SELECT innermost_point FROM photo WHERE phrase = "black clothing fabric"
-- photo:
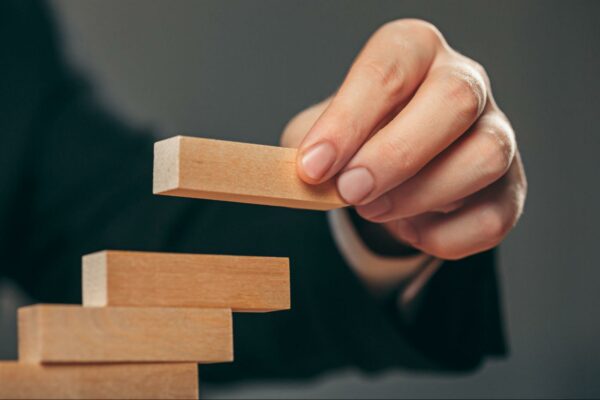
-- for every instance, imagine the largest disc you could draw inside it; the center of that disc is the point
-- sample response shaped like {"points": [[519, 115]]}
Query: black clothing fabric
{"points": [[75, 180]]}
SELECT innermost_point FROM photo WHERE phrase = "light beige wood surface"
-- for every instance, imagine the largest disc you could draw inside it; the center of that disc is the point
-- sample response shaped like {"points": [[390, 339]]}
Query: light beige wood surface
{"points": [[68, 333], [98, 381], [127, 278], [240, 172]]}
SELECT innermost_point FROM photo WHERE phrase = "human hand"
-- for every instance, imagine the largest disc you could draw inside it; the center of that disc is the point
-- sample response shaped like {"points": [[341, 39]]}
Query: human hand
{"points": [[417, 143]]}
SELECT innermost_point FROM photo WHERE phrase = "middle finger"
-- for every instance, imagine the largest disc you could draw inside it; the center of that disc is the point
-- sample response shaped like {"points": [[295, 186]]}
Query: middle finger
{"points": [[443, 108]]}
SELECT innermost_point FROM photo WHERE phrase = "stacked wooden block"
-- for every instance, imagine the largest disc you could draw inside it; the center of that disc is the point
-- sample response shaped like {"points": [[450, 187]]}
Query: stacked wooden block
{"points": [[148, 319], [240, 172]]}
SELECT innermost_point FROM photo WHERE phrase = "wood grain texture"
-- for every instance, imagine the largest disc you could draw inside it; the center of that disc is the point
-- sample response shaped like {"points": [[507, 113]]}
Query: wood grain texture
{"points": [[240, 172], [98, 381], [75, 334], [145, 279]]}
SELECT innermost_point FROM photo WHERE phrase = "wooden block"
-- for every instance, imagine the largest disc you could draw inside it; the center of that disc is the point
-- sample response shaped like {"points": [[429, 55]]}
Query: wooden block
{"points": [[240, 172], [127, 278], [98, 381], [75, 334]]}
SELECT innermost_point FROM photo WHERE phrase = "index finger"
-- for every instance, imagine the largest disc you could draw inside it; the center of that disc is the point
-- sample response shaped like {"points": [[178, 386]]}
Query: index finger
{"points": [[385, 74]]}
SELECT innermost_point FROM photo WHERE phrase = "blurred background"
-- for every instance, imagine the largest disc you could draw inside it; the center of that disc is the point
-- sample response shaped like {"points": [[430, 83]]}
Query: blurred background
{"points": [[240, 69]]}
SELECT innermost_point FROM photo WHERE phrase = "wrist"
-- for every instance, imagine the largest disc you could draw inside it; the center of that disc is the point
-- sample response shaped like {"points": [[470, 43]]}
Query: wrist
{"points": [[387, 265]]}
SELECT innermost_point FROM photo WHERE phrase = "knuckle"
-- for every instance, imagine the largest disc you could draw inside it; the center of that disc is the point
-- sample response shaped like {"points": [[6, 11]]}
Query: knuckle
{"points": [[391, 29], [479, 69], [522, 188], [401, 35], [516, 202], [416, 26], [394, 36], [390, 76], [492, 224], [467, 94], [496, 153]]}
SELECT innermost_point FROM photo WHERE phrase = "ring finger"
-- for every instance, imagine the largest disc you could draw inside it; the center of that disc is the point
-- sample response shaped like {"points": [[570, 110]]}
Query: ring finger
{"points": [[477, 159]]}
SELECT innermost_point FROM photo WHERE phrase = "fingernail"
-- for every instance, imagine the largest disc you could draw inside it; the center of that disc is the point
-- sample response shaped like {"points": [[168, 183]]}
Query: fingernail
{"points": [[317, 160], [375, 208], [407, 232], [355, 184]]}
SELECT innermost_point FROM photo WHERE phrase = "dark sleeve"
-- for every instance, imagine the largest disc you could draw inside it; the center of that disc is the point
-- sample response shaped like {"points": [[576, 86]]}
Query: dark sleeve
{"points": [[75, 180]]}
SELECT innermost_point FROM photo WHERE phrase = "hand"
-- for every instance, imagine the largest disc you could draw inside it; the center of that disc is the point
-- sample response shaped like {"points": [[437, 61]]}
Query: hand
{"points": [[417, 143]]}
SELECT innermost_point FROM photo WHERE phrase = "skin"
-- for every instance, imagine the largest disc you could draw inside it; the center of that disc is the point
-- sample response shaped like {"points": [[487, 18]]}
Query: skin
{"points": [[416, 142]]}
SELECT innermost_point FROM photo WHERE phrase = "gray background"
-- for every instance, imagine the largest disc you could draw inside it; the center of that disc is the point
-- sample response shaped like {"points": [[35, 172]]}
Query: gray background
{"points": [[241, 69]]}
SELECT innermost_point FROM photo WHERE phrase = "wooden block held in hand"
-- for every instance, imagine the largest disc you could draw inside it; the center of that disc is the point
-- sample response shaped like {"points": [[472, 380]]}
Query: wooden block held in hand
{"points": [[75, 334], [98, 381], [145, 279], [240, 172]]}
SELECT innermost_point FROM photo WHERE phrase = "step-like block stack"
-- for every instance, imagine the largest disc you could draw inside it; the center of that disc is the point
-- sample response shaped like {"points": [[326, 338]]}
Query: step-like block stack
{"points": [[146, 321]]}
